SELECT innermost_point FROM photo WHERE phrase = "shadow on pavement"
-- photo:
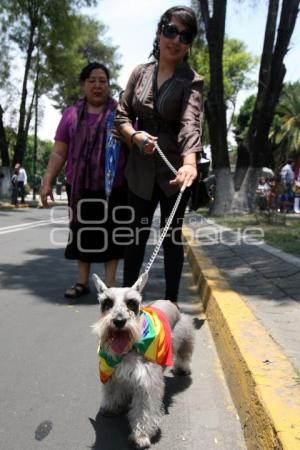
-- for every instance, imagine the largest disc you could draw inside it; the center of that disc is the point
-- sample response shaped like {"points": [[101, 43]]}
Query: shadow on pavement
{"points": [[46, 276]]}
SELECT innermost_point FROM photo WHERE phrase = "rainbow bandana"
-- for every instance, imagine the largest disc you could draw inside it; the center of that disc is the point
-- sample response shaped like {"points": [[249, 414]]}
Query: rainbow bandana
{"points": [[155, 343]]}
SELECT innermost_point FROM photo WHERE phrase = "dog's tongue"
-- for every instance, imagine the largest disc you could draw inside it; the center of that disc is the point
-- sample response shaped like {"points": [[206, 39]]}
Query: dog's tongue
{"points": [[119, 342]]}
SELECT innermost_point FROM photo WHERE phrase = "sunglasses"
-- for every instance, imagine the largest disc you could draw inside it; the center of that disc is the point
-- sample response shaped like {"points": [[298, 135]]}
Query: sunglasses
{"points": [[170, 31]]}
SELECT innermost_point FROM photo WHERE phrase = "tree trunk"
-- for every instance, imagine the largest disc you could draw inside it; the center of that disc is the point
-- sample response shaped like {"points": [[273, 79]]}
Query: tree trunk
{"points": [[29, 112], [3, 142], [224, 192], [242, 164], [271, 77], [5, 187], [258, 123], [20, 146], [215, 104], [244, 200]]}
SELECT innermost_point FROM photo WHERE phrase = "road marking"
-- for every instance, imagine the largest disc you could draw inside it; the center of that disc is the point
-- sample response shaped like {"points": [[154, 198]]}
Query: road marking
{"points": [[29, 225]]}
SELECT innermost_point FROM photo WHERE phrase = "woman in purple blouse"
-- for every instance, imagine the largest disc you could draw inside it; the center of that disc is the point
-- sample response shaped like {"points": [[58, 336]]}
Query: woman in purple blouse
{"points": [[81, 144]]}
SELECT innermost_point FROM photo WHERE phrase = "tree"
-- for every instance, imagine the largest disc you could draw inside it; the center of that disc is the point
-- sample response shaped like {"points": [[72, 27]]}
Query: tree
{"points": [[59, 74], [4, 73], [213, 17], [285, 131], [237, 64], [271, 75], [270, 83], [242, 120], [31, 23], [44, 150], [241, 126]]}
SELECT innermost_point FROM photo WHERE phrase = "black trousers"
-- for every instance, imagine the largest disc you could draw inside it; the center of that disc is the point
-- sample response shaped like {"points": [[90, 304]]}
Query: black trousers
{"points": [[21, 191], [172, 244]]}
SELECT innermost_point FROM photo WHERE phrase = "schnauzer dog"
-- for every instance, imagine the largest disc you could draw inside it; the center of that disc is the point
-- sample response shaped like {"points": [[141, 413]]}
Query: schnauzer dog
{"points": [[136, 343]]}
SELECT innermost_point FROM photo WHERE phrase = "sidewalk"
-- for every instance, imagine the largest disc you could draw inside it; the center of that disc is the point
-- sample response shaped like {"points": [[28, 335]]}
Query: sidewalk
{"points": [[260, 352], [30, 203]]}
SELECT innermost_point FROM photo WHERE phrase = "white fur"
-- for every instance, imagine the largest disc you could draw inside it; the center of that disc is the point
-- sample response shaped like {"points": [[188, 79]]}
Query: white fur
{"points": [[138, 384]]}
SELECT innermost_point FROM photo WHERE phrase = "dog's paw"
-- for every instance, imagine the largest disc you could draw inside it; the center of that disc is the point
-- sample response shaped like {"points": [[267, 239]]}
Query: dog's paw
{"points": [[139, 440], [181, 371], [106, 412]]}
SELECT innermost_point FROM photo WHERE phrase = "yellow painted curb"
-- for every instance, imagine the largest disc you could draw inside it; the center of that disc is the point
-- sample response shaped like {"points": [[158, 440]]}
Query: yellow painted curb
{"points": [[263, 383], [8, 206]]}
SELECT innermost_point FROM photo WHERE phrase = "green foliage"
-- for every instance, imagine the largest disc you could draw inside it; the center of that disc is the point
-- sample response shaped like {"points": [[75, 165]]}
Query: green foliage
{"points": [[199, 60], [283, 237], [285, 132], [241, 121], [62, 40], [43, 153], [60, 74], [11, 140], [237, 64], [4, 56], [66, 40]]}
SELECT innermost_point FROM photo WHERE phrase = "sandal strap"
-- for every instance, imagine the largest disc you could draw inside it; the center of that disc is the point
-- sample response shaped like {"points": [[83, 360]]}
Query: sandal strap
{"points": [[80, 285], [78, 290]]}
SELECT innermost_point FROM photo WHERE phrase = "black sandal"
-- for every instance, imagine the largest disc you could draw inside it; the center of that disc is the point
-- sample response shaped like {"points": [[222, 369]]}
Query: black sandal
{"points": [[79, 290]]}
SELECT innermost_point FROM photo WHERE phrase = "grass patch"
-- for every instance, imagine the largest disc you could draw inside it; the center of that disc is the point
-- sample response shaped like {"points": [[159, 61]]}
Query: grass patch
{"points": [[286, 237], [283, 236]]}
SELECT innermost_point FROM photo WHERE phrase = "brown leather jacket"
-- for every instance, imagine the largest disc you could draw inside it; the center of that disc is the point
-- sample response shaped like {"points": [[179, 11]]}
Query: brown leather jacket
{"points": [[174, 114]]}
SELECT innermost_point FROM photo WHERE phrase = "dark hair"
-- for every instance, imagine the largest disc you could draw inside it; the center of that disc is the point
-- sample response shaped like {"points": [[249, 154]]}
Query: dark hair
{"points": [[86, 71], [184, 15]]}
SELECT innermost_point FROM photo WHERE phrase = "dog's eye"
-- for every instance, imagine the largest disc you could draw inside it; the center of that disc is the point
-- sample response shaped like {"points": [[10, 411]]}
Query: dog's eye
{"points": [[133, 305], [106, 304]]}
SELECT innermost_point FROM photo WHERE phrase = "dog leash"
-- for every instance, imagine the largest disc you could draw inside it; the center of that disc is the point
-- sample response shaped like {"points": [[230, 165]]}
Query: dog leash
{"points": [[171, 216]]}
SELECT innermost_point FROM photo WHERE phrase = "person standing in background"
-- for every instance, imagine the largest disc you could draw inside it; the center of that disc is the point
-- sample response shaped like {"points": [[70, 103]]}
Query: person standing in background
{"points": [[14, 188], [22, 181], [95, 180], [296, 186]]}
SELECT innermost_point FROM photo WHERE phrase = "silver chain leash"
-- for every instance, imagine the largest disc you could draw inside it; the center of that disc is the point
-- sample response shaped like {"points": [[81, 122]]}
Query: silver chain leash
{"points": [[171, 216], [163, 156]]}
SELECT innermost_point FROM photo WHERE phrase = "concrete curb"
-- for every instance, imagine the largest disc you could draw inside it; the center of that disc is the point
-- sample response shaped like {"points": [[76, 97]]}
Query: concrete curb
{"points": [[263, 383], [30, 204], [8, 206]]}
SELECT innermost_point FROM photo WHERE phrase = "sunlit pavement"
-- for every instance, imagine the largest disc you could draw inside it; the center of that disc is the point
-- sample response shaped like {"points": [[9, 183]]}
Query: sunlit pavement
{"points": [[49, 387]]}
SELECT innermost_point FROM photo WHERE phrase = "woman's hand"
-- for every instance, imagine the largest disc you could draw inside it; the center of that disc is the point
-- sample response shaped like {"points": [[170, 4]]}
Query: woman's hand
{"points": [[185, 176], [117, 135], [145, 142], [46, 192], [56, 162]]}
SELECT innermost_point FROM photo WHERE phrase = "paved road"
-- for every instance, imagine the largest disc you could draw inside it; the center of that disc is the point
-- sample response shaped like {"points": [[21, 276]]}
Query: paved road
{"points": [[49, 389]]}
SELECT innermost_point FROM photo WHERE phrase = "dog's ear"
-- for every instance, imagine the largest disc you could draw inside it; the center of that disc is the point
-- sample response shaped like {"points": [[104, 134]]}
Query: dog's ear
{"points": [[141, 281], [100, 286]]}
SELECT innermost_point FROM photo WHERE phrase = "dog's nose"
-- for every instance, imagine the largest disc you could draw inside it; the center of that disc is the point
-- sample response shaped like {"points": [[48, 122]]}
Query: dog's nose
{"points": [[119, 323]]}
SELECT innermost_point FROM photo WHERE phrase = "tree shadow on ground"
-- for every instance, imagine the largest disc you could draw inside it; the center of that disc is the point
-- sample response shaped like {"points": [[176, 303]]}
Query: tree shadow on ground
{"points": [[251, 270], [44, 274]]}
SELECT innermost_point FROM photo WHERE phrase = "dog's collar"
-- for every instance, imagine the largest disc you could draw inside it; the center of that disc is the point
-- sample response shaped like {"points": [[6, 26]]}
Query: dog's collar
{"points": [[155, 343]]}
